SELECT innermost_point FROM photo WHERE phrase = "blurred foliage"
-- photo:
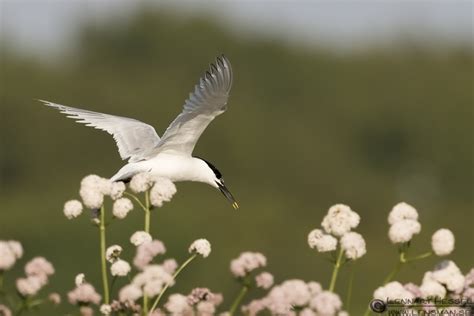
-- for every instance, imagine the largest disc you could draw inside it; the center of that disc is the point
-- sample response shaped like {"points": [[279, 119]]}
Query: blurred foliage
{"points": [[305, 129]]}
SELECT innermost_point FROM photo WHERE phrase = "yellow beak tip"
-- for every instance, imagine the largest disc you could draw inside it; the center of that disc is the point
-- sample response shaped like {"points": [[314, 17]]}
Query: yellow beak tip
{"points": [[235, 205]]}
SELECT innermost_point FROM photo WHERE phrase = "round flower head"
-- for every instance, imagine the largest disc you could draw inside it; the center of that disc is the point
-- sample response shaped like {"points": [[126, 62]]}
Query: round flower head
{"points": [[84, 294], [39, 266], [431, 288], [7, 256], [170, 265], [86, 311], [340, 220], [16, 248], [321, 241], [201, 247], [80, 279], [402, 211], [54, 298], [146, 252], [105, 309], [72, 209], [264, 280], [93, 189], [442, 242], [162, 191], [121, 208], [307, 312], [152, 279], [112, 253], [141, 182], [116, 190], [246, 263], [120, 268], [140, 237], [353, 245], [391, 291], [326, 303], [178, 305], [5, 311], [448, 274], [254, 307], [130, 293], [29, 286], [403, 231]]}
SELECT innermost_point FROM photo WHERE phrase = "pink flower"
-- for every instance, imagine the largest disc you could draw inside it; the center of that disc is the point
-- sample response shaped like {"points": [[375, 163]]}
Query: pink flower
{"points": [[85, 294], [264, 280], [247, 262], [146, 252]]}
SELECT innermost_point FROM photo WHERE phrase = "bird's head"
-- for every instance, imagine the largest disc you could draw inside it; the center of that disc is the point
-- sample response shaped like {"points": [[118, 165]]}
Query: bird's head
{"points": [[215, 179]]}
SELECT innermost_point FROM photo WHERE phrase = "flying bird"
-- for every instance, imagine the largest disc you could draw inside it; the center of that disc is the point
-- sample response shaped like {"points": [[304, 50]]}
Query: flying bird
{"points": [[171, 155]]}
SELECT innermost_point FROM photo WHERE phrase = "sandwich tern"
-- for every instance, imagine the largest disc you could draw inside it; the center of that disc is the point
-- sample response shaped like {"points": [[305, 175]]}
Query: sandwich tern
{"points": [[171, 155]]}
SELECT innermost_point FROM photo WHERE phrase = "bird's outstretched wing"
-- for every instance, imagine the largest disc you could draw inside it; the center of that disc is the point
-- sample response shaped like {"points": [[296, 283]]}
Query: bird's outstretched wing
{"points": [[135, 140], [208, 100]]}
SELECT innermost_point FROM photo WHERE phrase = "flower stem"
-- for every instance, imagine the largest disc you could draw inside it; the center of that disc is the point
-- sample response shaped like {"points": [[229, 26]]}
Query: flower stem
{"points": [[401, 261], [419, 257], [335, 271], [238, 299], [105, 282], [134, 197], [147, 211], [188, 261]]}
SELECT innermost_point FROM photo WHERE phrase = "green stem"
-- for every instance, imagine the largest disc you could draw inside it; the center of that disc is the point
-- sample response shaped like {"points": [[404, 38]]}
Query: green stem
{"points": [[105, 283], [335, 271], [419, 257], [145, 305], [171, 281], [401, 261], [147, 212], [136, 200], [238, 299]]}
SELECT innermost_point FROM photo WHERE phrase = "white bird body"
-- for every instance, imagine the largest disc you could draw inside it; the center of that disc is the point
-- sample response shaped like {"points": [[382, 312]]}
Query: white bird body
{"points": [[171, 155], [174, 167]]}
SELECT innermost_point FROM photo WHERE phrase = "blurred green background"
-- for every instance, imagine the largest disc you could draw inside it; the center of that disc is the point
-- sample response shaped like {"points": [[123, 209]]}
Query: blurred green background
{"points": [[307, 127]]}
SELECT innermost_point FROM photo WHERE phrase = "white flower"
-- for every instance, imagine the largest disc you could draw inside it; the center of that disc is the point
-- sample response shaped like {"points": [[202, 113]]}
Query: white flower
{"points": [[326, 303], [120, 268], [402, 211], [170, 265], [84, 294], [146, 252], [353, 245], [201, 247], [16, 248], [431, 288], [112, 253], [246, 263], [178, 305], [403, 231], [321, 241], [140, 237], [162, 191], [7, 256], [140, 182], [130, 293], [91, 197], [264, 280], [392, 290], [105, 309], [340, 220], [152, 279], [29, 286], [121, 208], [448, 273], [39, 266], [117, 190], [80, 279], [93, 189], [72, 209], [442, 242]]}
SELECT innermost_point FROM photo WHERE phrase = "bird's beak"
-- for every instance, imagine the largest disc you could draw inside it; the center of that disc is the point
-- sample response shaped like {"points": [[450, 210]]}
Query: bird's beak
{"points": [[228, 195]]}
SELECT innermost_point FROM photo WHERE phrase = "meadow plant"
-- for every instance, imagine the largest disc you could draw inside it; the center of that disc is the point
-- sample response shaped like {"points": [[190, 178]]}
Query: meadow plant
{"points": [[149, 276]]}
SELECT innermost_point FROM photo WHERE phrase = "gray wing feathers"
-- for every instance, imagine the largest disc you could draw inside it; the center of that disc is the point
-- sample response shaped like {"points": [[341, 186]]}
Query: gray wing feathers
{"points": [[135, 140], [208, 100]]}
